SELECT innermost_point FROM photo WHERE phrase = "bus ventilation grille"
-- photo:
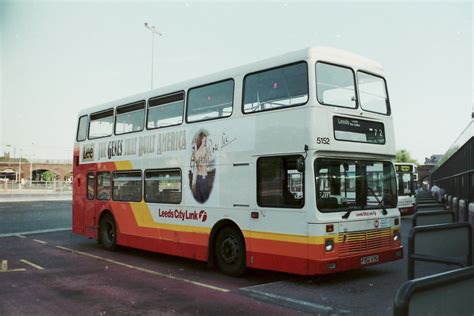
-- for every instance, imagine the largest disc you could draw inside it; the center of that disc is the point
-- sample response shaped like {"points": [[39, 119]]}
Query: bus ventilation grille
{"points": [[350, 243]]}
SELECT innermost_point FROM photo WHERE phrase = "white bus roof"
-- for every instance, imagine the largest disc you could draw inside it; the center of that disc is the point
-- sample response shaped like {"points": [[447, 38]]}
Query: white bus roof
{"points": [[331, 55]]}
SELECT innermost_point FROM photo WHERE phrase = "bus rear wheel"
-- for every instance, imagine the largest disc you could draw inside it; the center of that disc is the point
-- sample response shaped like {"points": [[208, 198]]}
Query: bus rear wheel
{"points": [[108, 232], [230, 252]]}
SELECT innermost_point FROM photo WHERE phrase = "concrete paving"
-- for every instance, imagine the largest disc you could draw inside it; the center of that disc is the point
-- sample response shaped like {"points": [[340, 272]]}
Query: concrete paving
{"points": [[26, 195]]}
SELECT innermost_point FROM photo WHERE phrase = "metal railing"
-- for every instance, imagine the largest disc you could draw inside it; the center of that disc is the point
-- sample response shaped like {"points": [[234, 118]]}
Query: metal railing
{"points": [[454, 174], [54, 186]]}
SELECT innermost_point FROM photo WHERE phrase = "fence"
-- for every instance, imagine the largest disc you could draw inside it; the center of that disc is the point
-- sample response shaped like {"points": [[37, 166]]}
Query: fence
{"points": [[16, 187], [455, 172], [448, 293]]}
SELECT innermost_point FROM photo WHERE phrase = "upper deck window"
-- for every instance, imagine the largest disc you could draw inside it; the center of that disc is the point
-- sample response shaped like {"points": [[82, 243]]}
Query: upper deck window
{"points": [[82, 129], [101, 124], [276, 88], [211, 101], [130, 118], [373, 93], [165, 110], [335, 85]]}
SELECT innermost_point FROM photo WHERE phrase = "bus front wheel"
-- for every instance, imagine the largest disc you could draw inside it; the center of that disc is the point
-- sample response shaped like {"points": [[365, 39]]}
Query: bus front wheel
{"points": [[230, 252], [108, 232]]}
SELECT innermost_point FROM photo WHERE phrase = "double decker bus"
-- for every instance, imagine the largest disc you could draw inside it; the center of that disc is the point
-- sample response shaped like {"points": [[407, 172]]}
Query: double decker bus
{"points": [[283, 164], [407, 177]]}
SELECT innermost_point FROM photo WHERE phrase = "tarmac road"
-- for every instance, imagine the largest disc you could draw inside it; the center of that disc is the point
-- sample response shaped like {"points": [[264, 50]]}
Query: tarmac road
{"points": [[79, 277]]}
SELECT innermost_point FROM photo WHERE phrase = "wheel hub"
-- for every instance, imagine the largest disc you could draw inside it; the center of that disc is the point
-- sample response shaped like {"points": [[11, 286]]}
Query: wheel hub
{"points": [[230, 249]]}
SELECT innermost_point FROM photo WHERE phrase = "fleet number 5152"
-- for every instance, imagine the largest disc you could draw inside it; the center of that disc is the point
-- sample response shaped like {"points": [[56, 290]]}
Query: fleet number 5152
{"points": [[322, 140]]}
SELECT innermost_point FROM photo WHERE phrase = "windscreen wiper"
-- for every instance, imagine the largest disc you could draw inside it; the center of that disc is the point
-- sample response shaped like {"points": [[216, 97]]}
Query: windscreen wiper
{"points": [[384, 210], [349, 211]]}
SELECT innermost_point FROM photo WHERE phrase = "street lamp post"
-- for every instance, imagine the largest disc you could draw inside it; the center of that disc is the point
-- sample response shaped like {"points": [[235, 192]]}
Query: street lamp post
{"points": [[31, 167], [153, 31], [18, 179], [19, 171], [31, 170]]}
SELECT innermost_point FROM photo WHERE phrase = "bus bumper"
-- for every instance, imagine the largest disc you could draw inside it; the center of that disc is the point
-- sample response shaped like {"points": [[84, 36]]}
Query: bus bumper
{"points": [[354, 262]]}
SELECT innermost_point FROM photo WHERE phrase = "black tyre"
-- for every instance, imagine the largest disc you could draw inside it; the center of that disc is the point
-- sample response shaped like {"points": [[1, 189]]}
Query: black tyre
{"points": [[107, 231], [230, 252]]}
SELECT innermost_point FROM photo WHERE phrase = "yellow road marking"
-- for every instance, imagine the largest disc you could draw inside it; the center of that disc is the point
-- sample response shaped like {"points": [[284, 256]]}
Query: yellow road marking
{"points": [[40, 241], [32, 264], [4, 267], [146, 270]]}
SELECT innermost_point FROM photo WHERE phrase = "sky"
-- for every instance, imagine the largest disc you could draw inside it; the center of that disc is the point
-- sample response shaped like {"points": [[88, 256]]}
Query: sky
{"points": [[58, 57]]}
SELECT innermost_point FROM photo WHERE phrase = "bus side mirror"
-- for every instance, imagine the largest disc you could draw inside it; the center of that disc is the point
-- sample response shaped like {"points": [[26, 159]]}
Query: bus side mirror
{"points": [[300, 164]]}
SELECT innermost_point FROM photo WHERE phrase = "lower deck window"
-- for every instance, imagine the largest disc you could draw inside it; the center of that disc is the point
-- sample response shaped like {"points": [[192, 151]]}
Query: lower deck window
{"points": [[90, 186], [163, 186], [127, 186], [103, 186], [279, 183]]}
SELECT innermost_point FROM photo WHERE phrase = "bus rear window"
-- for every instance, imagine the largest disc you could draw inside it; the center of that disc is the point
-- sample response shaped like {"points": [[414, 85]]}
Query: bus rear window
{"points": [[101, 124], [276, 88], [211, 101], [82, 129]]}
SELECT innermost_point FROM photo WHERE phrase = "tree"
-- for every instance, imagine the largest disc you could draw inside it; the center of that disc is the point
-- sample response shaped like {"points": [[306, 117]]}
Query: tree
{"points": [[404, 156], [49, 176]]}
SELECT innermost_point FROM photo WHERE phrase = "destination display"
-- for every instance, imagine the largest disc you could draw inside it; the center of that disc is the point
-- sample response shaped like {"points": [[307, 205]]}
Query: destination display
{"points": [[404, 168], [356, 130]]}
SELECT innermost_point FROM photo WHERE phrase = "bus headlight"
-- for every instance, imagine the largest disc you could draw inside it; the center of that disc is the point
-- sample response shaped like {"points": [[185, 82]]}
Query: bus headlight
{"points": [[329, 245], [396, 235]]}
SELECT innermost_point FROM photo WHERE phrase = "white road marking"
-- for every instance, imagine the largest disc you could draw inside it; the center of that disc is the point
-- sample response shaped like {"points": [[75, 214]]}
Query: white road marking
{"points": [[40, 241], [32, 264], [32, 232], [146, 270]]}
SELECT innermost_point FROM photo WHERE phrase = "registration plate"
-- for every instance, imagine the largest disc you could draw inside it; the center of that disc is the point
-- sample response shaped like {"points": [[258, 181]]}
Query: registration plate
{"points": [[369, 259]]}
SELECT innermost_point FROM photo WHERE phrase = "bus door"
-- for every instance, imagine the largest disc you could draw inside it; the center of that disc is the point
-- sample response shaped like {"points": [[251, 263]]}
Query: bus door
{"points": [[280, 200], [79, 187], [89, 204]]}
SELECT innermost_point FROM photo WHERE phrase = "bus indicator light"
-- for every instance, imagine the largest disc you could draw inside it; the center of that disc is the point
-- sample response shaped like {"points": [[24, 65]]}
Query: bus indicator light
{"points": [[329, 228]]}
